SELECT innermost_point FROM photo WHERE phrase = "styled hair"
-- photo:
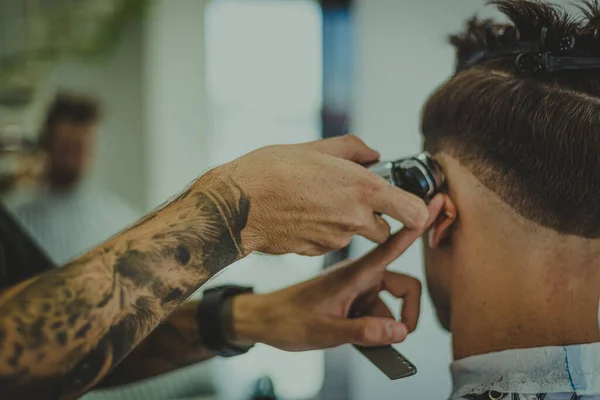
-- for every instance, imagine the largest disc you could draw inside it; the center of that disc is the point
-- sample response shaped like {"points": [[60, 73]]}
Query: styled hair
{"points": [[531, 138], [69, 107]]}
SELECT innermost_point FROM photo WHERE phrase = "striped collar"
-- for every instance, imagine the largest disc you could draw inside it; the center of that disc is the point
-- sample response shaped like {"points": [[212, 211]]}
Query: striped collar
{"points": [[567, 369]]}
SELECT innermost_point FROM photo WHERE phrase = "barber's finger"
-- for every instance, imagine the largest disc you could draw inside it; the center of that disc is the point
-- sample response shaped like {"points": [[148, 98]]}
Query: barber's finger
{"points": [[408, 289], [397, 244], [377, 230], [400, 205], [348, 147], [368, 331]]}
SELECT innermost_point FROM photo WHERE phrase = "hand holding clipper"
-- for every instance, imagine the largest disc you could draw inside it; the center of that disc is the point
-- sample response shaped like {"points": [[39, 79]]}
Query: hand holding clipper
{"points": [[421, 176]]}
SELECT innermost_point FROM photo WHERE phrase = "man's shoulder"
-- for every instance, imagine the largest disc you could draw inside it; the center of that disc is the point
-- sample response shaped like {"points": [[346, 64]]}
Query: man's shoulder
{"points": [[91, 204], [113, 203], [32, 205], [555, 371], [492, 395]]}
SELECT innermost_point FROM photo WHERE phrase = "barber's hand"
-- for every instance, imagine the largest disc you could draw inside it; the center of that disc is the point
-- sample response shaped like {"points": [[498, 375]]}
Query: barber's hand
{"points": [[313, 314], [312, 198]]}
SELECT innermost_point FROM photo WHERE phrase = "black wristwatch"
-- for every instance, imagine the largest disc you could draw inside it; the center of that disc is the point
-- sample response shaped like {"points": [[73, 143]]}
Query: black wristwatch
{"points": [[212, 319]]}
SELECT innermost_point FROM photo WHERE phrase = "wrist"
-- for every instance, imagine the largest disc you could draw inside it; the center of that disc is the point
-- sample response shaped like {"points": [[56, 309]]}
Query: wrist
{"points": [[245, 328], [223, 181], [214, 317]]}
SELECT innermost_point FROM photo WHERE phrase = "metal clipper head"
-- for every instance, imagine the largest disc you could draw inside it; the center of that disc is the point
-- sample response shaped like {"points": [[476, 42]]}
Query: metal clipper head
{"points": [[420, 175]]}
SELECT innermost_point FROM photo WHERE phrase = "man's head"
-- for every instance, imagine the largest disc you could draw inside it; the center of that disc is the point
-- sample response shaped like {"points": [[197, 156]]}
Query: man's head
{"points": [[68, 137], [521, 153]]}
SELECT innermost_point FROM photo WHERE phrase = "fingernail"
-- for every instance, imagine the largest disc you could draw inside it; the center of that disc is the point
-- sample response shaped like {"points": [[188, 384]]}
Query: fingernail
{"points": [[420, 217], [389, 330], [399, 331]]}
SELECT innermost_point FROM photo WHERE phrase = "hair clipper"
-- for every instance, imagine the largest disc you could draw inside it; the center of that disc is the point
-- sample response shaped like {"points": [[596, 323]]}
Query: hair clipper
{"points": [[423, 177], [420, 175]]}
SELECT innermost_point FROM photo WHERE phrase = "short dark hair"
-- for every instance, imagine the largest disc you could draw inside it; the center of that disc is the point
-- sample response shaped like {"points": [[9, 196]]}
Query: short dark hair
{"points": [[70, 107], [534, 140]]}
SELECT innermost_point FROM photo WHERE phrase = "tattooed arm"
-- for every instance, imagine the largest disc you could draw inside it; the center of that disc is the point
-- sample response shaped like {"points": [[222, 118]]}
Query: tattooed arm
{"points": [[309, 315], [61, 332], [174, 344]]}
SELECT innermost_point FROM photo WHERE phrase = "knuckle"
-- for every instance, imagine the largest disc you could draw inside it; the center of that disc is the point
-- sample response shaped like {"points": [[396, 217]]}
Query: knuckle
{"points": [[356, 281], [370, 187], [351, 138], [333, 243], [385, 229], [368, 334], [339, 242], [363, 334], [356, 223], [322, 248], [356, 219], [415, 285], [384, 237], [366, 192], [344, 241], [420, 215]]}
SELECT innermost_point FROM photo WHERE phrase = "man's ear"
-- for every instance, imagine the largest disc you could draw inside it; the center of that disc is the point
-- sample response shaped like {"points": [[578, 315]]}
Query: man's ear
{"points": [[441, 228]]}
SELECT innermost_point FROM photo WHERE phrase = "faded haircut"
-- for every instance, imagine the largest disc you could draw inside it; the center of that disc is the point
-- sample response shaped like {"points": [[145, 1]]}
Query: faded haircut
{"points": [[533, 139]]}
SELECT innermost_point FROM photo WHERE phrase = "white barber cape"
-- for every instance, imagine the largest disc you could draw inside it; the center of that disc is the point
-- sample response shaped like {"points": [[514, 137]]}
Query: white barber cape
{"points": [[66, 224]]}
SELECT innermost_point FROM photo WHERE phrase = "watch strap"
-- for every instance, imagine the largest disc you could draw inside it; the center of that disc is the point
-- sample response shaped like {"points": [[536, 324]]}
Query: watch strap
{"points": [[211, 318]]}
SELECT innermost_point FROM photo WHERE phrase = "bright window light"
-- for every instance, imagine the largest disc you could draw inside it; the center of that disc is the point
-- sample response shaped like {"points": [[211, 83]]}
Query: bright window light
{"points": [[264, 86], [264, 53]]}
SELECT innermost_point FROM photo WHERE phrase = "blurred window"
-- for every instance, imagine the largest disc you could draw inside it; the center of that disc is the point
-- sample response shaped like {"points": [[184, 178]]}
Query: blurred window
{"points": [[264, 86], [264, 73]]}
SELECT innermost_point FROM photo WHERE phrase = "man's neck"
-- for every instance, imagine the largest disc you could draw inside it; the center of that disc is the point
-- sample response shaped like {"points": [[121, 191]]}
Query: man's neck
{"points": [[525, 298]]}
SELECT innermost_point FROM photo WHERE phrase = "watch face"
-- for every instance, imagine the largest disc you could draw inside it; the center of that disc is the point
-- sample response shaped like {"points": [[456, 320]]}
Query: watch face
{"points": [[389, 361]]}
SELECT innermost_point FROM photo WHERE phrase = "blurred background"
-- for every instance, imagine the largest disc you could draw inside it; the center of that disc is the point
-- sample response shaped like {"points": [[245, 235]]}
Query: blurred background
{"points": [[167, 89]]}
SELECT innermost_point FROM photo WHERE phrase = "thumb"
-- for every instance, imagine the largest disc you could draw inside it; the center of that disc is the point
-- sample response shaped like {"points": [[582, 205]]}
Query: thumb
{"points": [[368, 331], [348, 147]]}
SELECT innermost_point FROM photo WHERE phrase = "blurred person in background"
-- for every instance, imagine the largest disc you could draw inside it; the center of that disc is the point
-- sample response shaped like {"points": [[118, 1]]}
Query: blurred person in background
{"points": [[68, 215]]}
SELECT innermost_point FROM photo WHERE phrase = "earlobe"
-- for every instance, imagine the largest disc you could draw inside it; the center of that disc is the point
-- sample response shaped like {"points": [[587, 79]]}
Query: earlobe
{"points": [[442, 226]]}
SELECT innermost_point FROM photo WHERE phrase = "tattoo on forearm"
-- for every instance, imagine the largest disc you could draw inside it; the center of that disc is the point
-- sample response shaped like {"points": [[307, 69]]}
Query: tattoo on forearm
{"points": [[63, 331], [174, 344]]}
